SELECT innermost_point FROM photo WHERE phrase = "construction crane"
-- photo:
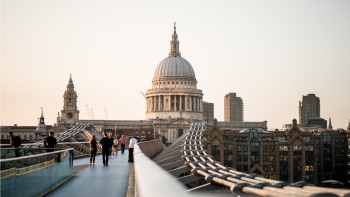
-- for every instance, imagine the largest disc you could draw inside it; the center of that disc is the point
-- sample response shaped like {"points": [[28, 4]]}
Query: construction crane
{"points": [[88, 111], [144, 96], [105, 113], [92, 114]]}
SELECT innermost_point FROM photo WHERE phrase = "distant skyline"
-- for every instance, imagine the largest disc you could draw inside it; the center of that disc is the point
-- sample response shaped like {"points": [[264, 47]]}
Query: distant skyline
{"points": [[270, 53]]}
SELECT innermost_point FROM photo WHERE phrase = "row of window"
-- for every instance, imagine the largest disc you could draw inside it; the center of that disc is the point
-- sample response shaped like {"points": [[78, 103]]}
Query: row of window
{"points": [[25, 137], [176, 82]]}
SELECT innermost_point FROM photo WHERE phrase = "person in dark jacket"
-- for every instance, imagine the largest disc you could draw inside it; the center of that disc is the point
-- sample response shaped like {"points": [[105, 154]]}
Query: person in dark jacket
{"points": [[106, 145], [93, 149], [15, 142], [50, 142]]}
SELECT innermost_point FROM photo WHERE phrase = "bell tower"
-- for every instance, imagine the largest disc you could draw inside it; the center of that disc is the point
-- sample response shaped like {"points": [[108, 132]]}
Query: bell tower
{"points": [[70, 112]]}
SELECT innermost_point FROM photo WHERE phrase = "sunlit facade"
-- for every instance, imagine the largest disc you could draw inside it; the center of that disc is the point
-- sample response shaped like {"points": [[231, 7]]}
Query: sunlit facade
{"points": [[290, 156]]}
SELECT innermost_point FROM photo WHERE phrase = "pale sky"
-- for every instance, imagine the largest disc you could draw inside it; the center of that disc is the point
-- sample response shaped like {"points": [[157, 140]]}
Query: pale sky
{"points": [[270, 53]]}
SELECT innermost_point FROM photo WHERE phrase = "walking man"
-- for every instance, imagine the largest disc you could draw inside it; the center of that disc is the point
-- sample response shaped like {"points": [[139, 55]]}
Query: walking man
{"points": [[132, 143], [15, 141], [50, 142], [106, 143]]}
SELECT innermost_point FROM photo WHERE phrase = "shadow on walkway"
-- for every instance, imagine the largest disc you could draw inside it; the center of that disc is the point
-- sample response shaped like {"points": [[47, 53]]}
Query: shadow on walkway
{"points": [[97, 180]]}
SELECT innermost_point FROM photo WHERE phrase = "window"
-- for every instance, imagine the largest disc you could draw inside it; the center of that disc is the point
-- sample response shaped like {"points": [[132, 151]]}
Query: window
{"points": [[239, 148], [265, 168], [281, 139], [239, 168], [239, 158], [245, 148], [245, 168], [265, 148], [309, 148], [271, 158], [336, 140], [296, 147], [283, 148], [265, 158], [306, 139], [245, 157], [271, 148]]}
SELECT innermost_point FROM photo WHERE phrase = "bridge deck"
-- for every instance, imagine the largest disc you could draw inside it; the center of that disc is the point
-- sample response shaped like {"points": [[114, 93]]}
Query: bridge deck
{"points": [[97, 180]]}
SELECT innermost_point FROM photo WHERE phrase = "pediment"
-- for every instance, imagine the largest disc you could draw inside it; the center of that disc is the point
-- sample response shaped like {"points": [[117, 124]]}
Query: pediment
{"points": [[180, 121], [257, 167]]}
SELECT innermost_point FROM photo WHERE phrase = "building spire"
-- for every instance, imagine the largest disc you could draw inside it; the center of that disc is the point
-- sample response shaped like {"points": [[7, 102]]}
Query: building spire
{"points": [[42, 119], [70, 85], [330, 127], [174, 44]]}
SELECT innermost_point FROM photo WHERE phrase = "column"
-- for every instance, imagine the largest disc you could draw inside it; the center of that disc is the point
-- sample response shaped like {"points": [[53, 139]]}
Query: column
{"points": [[147, 104], [175, 109], [180, 102], [151, 107], [195, 103], [159, 107]]}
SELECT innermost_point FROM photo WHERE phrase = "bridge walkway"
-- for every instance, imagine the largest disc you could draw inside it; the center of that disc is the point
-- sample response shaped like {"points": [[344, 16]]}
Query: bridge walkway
{"points": [[97, 180]]}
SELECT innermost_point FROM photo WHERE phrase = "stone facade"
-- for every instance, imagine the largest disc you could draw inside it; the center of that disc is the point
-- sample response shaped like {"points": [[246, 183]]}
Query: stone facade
{"points": [[291, 155], [70, 113]]}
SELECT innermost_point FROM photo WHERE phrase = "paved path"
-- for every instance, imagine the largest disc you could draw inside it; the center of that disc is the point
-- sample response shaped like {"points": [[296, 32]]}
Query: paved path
{"points": [[97, 180]]}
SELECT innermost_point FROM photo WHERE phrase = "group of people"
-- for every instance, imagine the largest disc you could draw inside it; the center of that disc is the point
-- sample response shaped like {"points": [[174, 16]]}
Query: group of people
{"points": [[50, 142], [110, 147]]}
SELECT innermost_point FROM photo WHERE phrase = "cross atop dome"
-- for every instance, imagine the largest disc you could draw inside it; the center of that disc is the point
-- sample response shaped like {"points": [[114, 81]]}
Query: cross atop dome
{"points": [[174, 44]]}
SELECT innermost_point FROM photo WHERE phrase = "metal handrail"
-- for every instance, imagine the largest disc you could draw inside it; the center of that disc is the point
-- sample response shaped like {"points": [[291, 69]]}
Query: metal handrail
{"points": [[149, 174], [34, 156], [242, 183]]}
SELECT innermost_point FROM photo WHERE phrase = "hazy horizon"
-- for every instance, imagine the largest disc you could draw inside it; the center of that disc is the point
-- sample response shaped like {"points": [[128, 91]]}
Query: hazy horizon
{"points": [[270, 53]]}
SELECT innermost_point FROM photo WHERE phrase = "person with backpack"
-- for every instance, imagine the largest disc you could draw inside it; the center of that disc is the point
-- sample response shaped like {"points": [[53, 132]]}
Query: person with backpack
{"points": [[15, 142], [50, 142], [115, 145]]}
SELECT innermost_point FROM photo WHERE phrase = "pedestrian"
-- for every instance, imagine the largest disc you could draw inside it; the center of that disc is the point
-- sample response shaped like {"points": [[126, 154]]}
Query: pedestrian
{"points": [[50, 142], [106, 146], [122, 143], [132, 143], [115, 145], [110, 149], [93, 149], [15, 142]]}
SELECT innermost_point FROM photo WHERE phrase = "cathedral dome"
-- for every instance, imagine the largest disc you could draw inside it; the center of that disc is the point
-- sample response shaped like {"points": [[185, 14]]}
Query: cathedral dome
{"points": [[174, 67]]}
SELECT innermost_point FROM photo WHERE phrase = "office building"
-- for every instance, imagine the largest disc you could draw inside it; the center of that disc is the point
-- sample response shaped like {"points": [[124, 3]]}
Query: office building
{"points": [[208, 111], [233, 108], [309, 108]]}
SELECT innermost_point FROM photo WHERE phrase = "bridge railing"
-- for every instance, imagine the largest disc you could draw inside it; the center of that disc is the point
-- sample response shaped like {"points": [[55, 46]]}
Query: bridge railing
{"points": [[152, 180], [80, 149], [188, 162], [37, 174], [202, 164]]}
